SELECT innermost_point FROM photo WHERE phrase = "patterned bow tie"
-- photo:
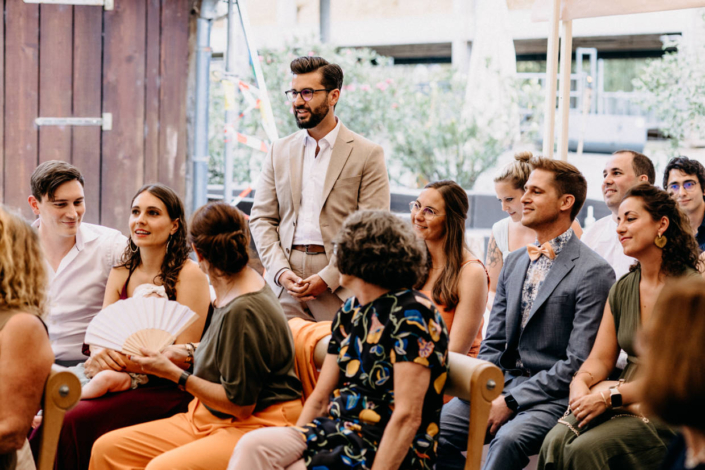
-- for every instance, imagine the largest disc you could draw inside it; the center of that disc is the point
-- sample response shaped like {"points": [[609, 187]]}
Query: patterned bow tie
{"points": [[535, 252]]}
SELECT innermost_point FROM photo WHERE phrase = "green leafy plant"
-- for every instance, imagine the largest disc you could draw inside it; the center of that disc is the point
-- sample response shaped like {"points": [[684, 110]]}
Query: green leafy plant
{"points": [[673, 88], [414, 113]]}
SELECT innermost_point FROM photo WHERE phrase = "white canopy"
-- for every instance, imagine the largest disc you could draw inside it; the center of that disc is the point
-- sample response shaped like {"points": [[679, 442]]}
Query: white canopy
{"points": [[565, 11], [575, 9]]}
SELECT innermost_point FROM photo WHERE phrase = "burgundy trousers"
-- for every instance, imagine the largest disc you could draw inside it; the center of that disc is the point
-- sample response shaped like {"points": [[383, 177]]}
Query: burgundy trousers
{"points": [[90, 419]]}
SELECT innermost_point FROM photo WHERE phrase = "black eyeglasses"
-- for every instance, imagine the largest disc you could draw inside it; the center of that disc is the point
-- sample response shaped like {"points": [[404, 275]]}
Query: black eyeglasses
{"points": [[306, 93]]}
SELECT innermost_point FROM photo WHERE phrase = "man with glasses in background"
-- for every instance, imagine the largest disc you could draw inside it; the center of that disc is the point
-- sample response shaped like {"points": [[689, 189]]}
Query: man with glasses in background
{"points": [[684, 179], [310, 182]]}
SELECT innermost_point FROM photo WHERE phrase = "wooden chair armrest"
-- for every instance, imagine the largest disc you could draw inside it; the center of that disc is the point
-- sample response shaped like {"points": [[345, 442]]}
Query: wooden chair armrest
{"points": [[480, 382], [471, 379], [61, 393]]}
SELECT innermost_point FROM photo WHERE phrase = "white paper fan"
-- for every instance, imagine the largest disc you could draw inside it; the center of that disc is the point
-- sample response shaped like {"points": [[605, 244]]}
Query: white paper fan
{"points": [[139, 322]]}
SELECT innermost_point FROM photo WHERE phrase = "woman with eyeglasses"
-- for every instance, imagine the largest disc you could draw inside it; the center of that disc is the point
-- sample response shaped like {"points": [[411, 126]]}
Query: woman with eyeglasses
{"points": [[456, 281], [604, 426], [509, 234]]}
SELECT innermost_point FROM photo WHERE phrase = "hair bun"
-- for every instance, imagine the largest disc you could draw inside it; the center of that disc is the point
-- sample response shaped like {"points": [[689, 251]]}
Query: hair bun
{"points": [[523, 157]]}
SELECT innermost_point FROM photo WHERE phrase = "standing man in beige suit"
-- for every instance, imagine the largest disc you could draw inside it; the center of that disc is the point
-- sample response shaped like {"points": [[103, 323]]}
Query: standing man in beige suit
{"points": [[310, 182]]}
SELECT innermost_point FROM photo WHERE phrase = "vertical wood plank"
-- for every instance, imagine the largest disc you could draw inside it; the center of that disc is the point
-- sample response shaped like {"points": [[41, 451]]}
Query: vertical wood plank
{"points": [[21, 101], [55, 80], [123, 96], [151, 125], [172, 116], [87, 80], [3, 169]]}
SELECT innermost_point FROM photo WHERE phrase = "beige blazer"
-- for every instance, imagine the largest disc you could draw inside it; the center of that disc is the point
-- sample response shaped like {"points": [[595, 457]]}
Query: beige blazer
{"points": [[356, 179]]}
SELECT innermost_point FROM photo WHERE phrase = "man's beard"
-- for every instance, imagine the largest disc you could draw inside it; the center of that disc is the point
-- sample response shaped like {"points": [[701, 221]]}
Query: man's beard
{"points": [[315, 116]]}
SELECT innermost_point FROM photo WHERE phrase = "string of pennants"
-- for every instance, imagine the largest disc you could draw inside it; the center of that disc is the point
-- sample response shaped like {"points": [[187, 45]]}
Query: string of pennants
{"points": [[252, 98]]}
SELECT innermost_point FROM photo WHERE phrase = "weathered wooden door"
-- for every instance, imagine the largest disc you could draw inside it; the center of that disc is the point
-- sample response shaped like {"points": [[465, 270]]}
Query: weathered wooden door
{"points": [[82, 61]]}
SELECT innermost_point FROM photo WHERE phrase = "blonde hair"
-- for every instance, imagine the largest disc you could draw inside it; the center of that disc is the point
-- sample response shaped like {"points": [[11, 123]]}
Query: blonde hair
{"points": [[516, 172], [23, 277]]}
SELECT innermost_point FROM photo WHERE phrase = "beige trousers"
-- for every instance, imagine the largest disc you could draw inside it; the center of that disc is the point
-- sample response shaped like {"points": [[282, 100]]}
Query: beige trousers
{"points": [[323, 307], [269, 449]]}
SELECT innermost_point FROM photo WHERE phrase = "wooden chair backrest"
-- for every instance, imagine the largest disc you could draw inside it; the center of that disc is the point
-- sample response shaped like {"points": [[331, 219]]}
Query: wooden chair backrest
{"points": [[61, 393], [471, 379]]}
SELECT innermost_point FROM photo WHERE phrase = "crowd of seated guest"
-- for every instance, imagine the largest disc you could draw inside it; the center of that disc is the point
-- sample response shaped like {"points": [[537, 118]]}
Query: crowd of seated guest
{"points": [[399, 298]]}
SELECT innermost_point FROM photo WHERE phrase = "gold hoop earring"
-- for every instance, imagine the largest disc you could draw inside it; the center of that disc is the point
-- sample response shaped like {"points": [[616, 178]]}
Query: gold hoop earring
{"points": [[167, 244], [661, 241], [136, 247]]}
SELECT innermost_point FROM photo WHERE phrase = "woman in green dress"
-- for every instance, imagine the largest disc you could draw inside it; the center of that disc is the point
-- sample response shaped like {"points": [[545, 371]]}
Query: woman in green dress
{"points": [[603, 427]]}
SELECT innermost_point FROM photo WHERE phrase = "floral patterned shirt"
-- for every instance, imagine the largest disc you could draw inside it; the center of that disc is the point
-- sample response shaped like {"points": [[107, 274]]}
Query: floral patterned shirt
{"points": [[401, 326], [536, 274]]}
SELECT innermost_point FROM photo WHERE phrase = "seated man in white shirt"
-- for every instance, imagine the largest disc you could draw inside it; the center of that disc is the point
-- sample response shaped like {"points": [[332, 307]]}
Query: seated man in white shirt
{"points": [[79, 256], [623, 170]]}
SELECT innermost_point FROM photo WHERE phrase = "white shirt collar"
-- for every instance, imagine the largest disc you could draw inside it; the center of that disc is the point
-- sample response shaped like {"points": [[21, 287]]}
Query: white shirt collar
{"points": [[329, 138], [83, 235]]}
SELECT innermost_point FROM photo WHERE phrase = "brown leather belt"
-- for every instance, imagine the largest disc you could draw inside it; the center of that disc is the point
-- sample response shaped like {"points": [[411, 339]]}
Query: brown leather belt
{"points": [[310, 249]]}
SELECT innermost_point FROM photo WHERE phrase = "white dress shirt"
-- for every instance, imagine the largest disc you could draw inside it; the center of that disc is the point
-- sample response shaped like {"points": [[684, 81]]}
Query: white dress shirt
{"points": [[77, 288], [602, 237], [308, 230]]}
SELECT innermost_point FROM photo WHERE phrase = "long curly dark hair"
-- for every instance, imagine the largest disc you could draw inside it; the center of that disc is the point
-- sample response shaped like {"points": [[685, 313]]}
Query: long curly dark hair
{"points": [[681, 250], [445, 289], [178, 248]]}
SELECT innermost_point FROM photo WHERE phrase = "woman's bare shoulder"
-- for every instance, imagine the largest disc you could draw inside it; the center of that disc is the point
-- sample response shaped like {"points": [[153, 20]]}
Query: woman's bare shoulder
{"points": [[190, 272], [25, 326], [119, 273], [473, 270]]}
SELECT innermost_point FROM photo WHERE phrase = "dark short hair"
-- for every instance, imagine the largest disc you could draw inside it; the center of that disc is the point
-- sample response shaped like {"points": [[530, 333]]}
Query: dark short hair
{"points": [[672, 363], [687, 166], [331, 74], [641, 164], [220, 234], [48, 176], [381, 249], [567, 179]]}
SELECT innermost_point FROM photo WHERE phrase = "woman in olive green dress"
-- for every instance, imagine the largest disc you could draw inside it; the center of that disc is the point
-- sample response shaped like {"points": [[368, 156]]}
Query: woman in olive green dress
{"points": [[603, 427]]}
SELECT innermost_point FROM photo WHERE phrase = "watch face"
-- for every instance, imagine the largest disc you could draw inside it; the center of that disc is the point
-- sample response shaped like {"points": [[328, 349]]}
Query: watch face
{"points": [[615, 398]]}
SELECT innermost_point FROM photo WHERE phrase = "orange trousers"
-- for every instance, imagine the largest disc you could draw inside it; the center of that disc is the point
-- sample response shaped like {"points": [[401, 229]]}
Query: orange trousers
{"points": [[192, 440]]}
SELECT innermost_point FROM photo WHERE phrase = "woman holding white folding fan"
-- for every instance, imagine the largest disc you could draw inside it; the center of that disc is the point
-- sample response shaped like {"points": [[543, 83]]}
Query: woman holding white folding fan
{"points": [[243, 375], [157, 254]]}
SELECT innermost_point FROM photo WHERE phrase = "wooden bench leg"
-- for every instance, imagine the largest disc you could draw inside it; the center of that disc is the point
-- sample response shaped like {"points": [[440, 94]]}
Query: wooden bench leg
{"points": [[486, 384]]}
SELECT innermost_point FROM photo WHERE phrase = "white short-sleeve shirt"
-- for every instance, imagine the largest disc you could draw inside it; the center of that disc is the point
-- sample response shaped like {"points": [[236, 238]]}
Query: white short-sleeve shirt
{"points": [[77, 288]]}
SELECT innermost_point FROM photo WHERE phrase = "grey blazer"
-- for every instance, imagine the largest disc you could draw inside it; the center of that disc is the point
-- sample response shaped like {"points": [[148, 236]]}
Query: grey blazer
{"points": [[562, 325]]}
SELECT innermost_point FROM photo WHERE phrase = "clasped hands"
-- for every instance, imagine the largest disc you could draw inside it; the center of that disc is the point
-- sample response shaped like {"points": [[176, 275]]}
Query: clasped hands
{"points": [[302, 290], [585, 404], [149, 363]]}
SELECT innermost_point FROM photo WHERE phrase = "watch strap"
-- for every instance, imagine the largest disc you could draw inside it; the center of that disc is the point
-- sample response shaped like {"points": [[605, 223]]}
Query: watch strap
{"points": [[511, 402], [183, 378]]}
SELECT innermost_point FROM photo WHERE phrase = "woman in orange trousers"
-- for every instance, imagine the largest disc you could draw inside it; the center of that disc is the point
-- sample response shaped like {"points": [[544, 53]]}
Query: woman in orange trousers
{"points": [[243, 375]]}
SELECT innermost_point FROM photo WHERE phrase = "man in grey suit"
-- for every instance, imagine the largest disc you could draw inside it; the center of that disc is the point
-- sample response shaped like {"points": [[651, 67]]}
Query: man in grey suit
{"points": [[310, 182], [549, 303]]}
